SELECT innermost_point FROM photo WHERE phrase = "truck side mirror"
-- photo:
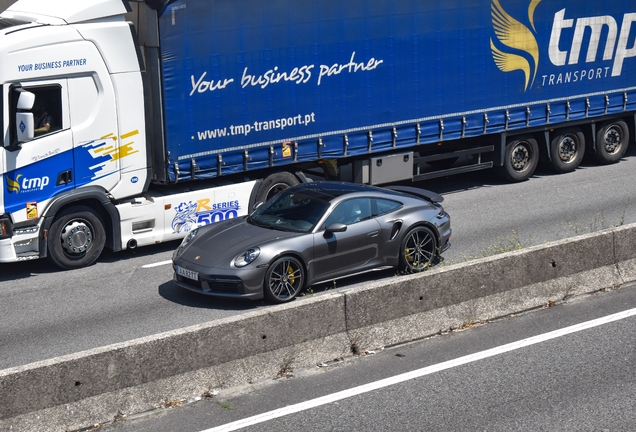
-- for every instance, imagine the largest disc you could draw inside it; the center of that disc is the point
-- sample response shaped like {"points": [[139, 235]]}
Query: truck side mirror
{"points": [[23, 129], [26, 126], [26, 100]]}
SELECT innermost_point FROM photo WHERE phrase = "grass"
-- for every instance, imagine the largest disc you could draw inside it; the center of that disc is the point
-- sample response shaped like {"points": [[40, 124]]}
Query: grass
{"points": [[599, 223], [309, 292], [501, 245], [172, 403], [513, 242], [286, 368]]}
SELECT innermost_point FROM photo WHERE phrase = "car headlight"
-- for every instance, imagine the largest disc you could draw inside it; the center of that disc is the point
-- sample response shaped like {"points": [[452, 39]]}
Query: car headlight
{"points": [[192, 234], [187, 239], [247, 257]]}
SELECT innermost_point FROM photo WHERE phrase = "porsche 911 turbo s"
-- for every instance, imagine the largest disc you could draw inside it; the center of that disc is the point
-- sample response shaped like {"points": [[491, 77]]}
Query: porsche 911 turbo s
{"points": [[311, 233]]}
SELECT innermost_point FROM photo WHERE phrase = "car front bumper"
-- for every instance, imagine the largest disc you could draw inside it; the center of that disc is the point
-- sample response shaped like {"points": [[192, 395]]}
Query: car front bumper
{"points": [[239, 283]]}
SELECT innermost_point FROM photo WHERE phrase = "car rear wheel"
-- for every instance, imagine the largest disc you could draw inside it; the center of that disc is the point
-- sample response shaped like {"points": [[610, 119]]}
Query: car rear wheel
{"points": [[419, 250], [284, 279]]}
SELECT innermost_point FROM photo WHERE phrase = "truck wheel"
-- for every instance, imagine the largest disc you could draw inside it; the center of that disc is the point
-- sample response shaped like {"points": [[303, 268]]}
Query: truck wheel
{"points": [[611, 142], [76, 238], [273, 184], [567, 150], [520, 159]]}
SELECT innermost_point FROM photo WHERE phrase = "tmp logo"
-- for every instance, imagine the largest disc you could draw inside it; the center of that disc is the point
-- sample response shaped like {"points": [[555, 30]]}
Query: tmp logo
{"points": [[21, 184], [515, 46]]}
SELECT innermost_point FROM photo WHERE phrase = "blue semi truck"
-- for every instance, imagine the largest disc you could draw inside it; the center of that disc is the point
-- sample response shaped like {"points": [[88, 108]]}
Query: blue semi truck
{"points": [[128, 123]]}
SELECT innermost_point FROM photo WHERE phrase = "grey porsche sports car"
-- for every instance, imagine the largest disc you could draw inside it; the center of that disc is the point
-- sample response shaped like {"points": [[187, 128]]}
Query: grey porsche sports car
{"points": [[310, 233]]}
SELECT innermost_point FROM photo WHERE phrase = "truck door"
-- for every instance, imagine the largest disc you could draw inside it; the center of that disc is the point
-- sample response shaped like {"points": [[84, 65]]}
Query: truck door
{"points": [[93, 113], [3, 123], [37, 170]]}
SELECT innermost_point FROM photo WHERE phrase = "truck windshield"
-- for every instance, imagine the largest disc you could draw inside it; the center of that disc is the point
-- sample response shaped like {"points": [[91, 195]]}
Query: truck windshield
{"points": [[8, 22], [4, 24]]}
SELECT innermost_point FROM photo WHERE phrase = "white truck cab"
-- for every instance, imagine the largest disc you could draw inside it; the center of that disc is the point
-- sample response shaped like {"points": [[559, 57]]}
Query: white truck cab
{"points": [[75, 164], [74, 65]]}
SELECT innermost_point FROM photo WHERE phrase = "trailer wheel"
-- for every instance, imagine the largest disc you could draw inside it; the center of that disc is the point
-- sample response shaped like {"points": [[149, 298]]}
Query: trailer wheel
{"points": [[567, 150], [520, 159], [611, 142], [273, 184], [76, 238]]}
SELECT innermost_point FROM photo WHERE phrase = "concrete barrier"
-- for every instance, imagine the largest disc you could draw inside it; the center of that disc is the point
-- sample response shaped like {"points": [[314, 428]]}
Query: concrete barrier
{"points": [[144, 373], [417, 306], [96, 386]]}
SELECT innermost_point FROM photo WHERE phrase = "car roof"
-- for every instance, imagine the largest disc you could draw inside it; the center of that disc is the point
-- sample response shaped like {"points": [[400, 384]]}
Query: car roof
{"points": [[328, 190]]}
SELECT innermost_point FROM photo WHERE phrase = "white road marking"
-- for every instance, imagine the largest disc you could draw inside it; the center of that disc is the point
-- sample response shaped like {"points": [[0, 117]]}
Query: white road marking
{"points": [[158, 264], [419, 373]]}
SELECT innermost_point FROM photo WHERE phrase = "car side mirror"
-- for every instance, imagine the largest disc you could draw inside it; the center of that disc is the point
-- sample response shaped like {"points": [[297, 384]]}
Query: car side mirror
{"points": [[336, 227]]}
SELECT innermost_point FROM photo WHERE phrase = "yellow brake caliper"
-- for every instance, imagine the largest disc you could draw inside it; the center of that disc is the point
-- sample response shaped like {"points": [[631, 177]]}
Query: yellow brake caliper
{"points": [[290, 273]]}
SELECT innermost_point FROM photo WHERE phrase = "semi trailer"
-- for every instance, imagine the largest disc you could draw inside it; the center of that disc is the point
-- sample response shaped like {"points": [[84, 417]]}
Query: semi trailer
{"points": [[128, 123]]}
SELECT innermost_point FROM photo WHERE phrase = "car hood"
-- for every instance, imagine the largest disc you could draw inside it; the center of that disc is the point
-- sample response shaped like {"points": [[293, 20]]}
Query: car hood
{"points": [[218, 244]]}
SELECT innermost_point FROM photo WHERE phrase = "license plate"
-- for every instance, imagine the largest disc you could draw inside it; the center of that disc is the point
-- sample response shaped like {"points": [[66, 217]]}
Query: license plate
{"points": [[188, 273]]}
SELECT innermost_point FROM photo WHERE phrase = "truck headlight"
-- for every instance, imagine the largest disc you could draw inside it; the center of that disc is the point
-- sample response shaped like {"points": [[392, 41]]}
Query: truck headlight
{"points": [[6, 228]]}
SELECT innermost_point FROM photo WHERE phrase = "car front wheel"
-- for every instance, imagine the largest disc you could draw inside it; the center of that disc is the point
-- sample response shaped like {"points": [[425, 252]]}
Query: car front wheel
{"points": [[284, 279]]}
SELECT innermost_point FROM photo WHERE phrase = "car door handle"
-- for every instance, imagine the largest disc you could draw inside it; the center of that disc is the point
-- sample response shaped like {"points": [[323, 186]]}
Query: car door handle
{"points": [[373, 234]]}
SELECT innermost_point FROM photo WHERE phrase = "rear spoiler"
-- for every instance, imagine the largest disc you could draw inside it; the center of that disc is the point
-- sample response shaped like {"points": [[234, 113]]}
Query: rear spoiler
{"points": [[422, 193]]}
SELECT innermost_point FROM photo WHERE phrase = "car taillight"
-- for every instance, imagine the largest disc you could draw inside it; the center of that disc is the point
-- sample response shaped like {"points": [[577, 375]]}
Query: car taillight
{"points": [[441, 212]]}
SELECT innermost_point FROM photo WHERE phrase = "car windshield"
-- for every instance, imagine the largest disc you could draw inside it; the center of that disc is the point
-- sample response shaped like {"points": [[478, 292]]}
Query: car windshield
{"points": [[290, 211]]}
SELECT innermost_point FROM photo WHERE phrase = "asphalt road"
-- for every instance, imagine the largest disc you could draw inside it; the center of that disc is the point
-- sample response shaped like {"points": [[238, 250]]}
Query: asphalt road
{"points": [[532, 372], [45, 312]]}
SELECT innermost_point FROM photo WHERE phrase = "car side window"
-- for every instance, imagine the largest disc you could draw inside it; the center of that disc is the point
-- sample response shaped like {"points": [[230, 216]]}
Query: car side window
{"points": [[350, 211], [382, 206]]}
